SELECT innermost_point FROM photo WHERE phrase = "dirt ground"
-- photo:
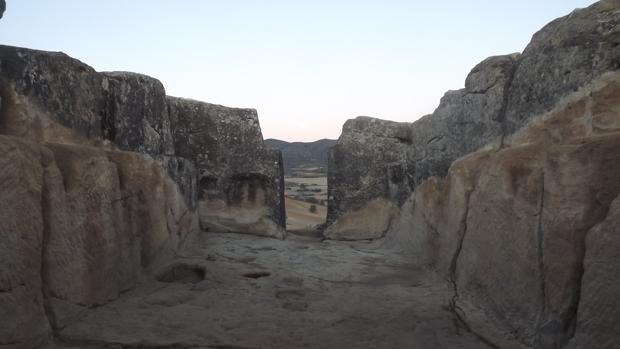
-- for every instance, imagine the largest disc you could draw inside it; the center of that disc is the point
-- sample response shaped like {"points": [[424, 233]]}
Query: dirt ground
{"points": [[299, 217]]}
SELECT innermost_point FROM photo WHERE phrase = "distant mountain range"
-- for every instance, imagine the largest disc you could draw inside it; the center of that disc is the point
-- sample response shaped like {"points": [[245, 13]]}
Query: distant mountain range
{"points": [[299, 153]]}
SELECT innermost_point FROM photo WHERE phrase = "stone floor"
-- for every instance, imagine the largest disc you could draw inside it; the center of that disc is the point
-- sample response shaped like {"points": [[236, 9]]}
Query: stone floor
{"points": [[238, 291]]}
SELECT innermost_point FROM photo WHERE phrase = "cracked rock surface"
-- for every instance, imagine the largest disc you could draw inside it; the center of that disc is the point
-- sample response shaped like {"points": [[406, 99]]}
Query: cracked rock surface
{"points": [[215, 154], [523, 231], [501, 95], [265, 293]]}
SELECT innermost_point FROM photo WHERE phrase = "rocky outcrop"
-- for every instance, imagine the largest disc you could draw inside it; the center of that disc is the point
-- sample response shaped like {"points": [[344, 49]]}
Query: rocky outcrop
{"points": [[2, 7], [600, 286], [24, 322], [377, 159], [465, 120], [368, 163], [202, 145], [501, 94], [136, 116], [102, 181], [240, 181], [79, 224], [512, 182], [563, 56], [511, 226], [36, 88]]}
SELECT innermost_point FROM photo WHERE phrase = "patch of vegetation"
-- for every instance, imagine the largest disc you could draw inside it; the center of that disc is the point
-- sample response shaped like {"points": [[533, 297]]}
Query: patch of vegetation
{"points": [[311, 200]]}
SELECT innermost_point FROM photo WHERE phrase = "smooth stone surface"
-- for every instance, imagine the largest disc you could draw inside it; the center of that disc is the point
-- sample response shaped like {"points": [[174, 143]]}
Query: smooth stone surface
{"points": [[265, 293]]}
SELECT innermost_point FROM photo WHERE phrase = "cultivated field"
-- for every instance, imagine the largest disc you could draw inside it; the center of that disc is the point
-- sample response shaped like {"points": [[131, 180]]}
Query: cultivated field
{"points": [[299, 216], [308, 187]]}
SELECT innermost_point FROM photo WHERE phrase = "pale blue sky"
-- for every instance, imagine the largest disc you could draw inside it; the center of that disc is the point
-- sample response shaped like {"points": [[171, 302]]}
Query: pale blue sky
{"points": [[307, 66]]}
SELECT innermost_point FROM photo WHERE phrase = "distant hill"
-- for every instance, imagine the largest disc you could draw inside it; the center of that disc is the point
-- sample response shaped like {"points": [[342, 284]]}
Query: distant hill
{"points": [[297, 154]]}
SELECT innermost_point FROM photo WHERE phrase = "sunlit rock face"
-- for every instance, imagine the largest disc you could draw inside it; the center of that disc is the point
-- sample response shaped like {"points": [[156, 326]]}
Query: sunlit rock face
{"points": [[501, 95]]}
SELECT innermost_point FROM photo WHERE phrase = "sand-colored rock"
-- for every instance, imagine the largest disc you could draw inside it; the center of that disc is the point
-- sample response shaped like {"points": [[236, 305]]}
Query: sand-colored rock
{"points": [[94, 217], [312, 294], [517, 250], [80, 224], [501, 95], [51, 97], [240, 180], [23, 322], [600, 286], [524, 229], [359, 164], [370, 222]]}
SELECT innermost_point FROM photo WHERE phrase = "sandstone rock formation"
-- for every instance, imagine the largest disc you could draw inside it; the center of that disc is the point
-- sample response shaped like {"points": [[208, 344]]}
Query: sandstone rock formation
{"points": [[103, 180], [367, 169], [510, 191], [135, 116], [79, 224], [599, 286], [514, 183], [21, 229], [501, 94], [508, 225], [563, 56], [241, 181], [200, 143]]}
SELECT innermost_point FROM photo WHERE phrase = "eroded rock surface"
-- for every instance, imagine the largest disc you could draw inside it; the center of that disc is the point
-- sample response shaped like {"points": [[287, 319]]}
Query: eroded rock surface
{"points": [[501, 95], [215, 154], [98, 245], [95, 194], [136, 114], [563, 56], [266, 293], [511, 226], [512, 181], [240, 181], [24, 322], [600, 286], [82, 223], [369, 162]]}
